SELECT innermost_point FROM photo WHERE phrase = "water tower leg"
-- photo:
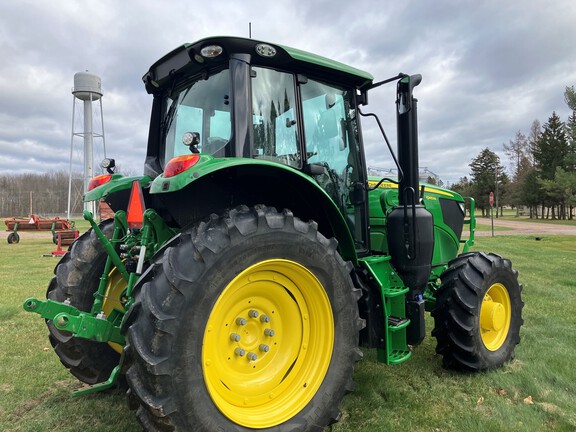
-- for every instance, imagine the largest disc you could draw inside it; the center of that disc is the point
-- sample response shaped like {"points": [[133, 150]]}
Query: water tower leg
{"points": [[88, 150]]}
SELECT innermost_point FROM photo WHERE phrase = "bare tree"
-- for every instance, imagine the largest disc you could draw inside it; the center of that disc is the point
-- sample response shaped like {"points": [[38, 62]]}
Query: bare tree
{"points": [[516, 150], [42, 194], [533, 137]]}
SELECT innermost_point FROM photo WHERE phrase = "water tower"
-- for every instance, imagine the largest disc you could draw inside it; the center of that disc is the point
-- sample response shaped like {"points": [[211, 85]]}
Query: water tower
{"points": [[88, 89]]}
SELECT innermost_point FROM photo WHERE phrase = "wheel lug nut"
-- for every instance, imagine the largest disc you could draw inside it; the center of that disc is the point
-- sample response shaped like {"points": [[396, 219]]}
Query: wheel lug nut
{"points": [[253, 313], [264, 318], [269, 332], [264, 348], [239, 352], [240, 321], [251, 356], [235, 337]]}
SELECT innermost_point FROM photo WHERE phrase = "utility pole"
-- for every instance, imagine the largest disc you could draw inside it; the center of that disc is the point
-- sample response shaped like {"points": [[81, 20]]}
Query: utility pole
{"points": [[496, 189]]}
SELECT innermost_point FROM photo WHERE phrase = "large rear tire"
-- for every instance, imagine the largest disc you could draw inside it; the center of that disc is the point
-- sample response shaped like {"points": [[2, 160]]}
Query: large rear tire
{"points": [[478, 312], [247, 321], [77, 277]]}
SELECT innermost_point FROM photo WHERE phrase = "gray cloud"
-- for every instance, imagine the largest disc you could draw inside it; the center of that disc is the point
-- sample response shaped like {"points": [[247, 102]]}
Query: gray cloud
{"points": [[490, 68]]}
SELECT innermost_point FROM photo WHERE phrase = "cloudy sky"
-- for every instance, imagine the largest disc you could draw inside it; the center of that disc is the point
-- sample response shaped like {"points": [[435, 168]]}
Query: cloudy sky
{"points": [[489, 67]]}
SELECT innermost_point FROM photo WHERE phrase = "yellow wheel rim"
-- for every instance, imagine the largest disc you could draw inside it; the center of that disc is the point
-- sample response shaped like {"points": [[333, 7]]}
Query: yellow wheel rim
{"points": [[495, 316], [268, 343], [114, 291]]}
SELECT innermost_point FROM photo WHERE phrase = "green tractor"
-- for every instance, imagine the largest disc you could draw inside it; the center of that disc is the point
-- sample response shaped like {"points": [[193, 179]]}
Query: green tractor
{"points": [[244, 270]]}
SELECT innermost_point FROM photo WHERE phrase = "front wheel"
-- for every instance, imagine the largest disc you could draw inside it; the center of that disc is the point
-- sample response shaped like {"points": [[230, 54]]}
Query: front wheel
{"points": [[77, 276], [248, 321], [13, 238], [478, 312]]}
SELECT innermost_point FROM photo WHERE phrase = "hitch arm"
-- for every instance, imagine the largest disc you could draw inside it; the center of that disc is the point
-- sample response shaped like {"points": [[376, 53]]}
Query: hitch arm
{"points": [[80, 324], [108, 247]]}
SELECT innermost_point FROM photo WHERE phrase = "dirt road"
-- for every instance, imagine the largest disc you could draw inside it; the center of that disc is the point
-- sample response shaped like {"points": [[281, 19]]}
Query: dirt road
{"points": [[524, 228]]}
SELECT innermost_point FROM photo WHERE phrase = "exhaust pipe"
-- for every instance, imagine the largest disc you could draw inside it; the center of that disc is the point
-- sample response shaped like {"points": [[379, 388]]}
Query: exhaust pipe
{"points": [[410, 226], [407, 129]]}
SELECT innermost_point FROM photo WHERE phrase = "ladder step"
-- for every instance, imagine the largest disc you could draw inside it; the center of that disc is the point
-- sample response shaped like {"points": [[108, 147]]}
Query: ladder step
{"points": [[394, 291], [398, 356], [394, 321]]}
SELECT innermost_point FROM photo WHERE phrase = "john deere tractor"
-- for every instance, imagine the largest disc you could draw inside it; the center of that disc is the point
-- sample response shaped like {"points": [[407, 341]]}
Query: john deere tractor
{"points": [[244, 270]]}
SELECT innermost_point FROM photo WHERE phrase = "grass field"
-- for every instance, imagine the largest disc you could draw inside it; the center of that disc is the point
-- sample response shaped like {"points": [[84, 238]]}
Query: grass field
{"points": [[535, 392]]}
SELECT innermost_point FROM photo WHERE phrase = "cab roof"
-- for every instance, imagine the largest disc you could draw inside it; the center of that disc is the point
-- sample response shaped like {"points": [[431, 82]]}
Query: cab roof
{"points": [[187, 59]]}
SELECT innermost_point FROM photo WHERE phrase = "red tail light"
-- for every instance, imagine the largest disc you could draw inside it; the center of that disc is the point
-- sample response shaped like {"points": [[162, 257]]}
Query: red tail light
{"points": [[136, 206], [180, 164], [99, 181]]}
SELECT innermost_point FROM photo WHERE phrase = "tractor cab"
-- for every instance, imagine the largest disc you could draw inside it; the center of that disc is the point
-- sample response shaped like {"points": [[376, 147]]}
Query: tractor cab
{"points": [[239, 98]]}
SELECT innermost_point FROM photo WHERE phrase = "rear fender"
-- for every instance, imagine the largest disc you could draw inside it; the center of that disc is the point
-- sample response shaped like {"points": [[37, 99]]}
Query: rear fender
{"points": [[214, 184], [117, 191]]}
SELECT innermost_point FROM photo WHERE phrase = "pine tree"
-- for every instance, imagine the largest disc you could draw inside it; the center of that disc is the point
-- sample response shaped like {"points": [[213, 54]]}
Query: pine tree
{"points": [[571, 138], [531, 193], [463, 187], [551, 148], [486, 170]]}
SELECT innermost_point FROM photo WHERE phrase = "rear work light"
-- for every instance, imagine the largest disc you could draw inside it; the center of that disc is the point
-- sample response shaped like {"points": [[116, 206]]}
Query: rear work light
{"points": [[180, 164], [99, 181]]}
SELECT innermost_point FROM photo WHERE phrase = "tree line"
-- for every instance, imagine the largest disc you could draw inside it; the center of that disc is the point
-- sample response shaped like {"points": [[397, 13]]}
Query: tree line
{"points": [[542, 178], [43, 194]]}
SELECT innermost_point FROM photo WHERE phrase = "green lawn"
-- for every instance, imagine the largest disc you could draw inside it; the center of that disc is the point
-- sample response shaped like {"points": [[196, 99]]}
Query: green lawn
{"points": [[535, 392]]}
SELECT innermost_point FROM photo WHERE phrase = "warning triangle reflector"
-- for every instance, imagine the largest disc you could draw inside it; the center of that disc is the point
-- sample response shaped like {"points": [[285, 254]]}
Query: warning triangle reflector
{"points": [[136, 206]]}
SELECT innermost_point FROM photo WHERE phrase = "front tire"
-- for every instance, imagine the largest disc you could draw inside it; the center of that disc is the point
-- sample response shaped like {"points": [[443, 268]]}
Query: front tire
{"points": [[77, 276], [248, 321], [478, 312]]}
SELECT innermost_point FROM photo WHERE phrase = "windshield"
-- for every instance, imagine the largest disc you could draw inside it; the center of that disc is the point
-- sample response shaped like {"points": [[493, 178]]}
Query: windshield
{"points": [[202, 108]]}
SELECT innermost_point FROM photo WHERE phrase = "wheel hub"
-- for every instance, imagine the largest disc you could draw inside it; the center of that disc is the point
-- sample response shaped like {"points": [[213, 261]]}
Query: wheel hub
{"points": [[252, 336], [495, 317]]}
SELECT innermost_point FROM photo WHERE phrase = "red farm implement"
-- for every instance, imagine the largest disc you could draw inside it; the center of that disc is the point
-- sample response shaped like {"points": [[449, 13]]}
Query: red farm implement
{"points": [[37, 223]]}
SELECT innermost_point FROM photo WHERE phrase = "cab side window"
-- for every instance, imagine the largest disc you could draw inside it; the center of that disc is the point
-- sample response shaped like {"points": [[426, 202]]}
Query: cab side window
{"points": [[274, 117], [327, 139]]}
